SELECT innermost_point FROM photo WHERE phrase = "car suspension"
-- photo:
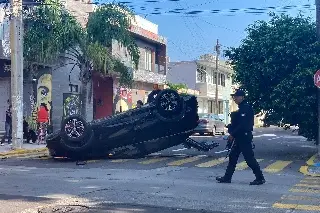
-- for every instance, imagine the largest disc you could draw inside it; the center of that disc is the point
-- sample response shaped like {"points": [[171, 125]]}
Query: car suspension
{"points": [[200, 146]]}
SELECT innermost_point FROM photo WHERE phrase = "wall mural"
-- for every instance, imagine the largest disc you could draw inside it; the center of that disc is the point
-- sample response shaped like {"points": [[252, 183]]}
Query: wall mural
{"points": [[122, 100], [41, 93], [71, 104]]}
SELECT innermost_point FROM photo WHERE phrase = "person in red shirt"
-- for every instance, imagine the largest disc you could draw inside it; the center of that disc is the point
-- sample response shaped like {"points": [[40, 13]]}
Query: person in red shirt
{"points": [[43, 120]]}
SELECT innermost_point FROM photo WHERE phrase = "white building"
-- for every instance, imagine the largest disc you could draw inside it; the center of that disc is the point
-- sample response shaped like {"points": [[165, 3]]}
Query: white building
{"points": [[201, 75]]}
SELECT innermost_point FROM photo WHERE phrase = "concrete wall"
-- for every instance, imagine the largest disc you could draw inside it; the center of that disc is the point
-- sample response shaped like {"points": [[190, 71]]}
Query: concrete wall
{"points": [[61, 78], [182, 72]]}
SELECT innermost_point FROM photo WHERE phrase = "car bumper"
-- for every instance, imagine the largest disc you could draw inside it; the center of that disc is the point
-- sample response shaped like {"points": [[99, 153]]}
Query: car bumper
{"points": [[202, 130]]}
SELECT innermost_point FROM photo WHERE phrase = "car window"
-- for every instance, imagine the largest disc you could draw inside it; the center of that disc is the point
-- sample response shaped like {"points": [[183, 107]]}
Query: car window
{"points": [[203, 115], [215, 117]]}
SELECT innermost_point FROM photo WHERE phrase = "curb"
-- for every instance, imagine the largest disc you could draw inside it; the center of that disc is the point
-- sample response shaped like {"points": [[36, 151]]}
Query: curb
{"points": [[305, 169], [22, 151]]}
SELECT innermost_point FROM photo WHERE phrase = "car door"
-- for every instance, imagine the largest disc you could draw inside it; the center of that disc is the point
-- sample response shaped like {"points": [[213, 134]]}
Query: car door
{"points": [[219, 124]]}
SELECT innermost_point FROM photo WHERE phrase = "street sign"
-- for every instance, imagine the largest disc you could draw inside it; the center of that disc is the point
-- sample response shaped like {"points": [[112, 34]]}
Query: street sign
{"points": [[317, 79]]}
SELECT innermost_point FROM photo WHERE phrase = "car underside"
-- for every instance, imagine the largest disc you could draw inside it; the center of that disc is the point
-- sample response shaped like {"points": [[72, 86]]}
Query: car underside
{"points": [[166, 121]]}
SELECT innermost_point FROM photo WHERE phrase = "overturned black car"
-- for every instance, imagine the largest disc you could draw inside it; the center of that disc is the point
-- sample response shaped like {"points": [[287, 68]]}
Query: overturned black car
{"points": [[166, 120]]}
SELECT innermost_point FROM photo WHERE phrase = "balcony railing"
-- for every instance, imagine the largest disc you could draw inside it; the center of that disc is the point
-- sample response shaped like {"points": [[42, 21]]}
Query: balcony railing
{"points": [[149, 76], [209, 90]]}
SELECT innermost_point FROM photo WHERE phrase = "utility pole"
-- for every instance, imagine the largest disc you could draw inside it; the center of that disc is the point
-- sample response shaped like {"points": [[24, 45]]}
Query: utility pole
{"points": [[16, 44], [217, 68], [318, 34]]}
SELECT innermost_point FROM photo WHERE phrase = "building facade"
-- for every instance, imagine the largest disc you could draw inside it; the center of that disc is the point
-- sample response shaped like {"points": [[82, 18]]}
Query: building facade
{"points": [[59, 87], [151, 71], [56, 86], [201, 75]]}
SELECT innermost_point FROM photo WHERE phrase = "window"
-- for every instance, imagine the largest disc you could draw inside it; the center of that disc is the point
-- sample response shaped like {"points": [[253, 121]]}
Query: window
{"points": [[223, 80], [148, 59], [73, 88], [210, 106], [201, 74], [215, 78], [220, 105]]}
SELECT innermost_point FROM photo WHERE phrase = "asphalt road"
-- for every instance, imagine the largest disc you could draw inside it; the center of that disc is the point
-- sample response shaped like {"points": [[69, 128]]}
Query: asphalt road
{"points": [[174, 180]]}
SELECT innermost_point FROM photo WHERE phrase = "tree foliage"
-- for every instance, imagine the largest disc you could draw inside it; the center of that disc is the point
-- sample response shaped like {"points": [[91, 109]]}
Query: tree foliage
{"points": [[176, 87], [52, 33], [275, 65]]}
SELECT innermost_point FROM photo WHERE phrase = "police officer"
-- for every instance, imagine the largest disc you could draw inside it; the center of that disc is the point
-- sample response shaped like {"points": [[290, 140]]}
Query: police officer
{"points": [[242, 134]]}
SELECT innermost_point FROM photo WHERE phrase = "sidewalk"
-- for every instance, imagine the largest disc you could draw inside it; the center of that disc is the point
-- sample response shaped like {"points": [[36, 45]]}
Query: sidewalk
{"points": [[6, 150]]}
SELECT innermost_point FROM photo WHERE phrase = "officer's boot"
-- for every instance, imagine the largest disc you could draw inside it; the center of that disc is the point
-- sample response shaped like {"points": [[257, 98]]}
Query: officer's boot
{"points": [[223, 179], [259, 180]]}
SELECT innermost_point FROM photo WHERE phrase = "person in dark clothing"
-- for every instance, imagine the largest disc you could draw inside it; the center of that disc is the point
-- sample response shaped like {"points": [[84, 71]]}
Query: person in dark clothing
{"points": [[28, 134], [139, 104], [8, 126], [241, 133]]}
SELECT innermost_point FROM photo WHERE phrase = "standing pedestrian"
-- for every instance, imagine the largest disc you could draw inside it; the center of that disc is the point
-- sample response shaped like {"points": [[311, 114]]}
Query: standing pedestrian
{"points": [[241, 133], [43, 120], [8, 125]]}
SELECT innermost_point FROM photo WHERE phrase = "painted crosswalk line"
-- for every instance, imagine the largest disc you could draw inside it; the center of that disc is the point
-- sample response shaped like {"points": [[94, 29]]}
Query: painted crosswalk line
{"points": [[300, 198], [212, 163], [296, 207], [277, 166], [184, 161], [154, 160], [305, 190], [308, 186], [243, 165]]}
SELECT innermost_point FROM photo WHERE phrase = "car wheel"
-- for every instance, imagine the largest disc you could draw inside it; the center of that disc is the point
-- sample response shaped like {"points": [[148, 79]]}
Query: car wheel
{"points": [[169, 106], [74, 128]]}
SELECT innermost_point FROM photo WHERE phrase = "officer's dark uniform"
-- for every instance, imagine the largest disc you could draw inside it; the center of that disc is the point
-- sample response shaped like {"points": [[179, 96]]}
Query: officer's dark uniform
{"points": [[242, 133]]}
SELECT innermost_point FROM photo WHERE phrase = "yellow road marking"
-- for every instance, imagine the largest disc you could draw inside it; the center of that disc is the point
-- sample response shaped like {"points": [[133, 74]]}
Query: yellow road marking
{"points": [[120, 160], [243, 165], [213, 162], [308, 185], [310, 162], [305, 190], [277, 166], [310, 181], [154, 160], [291, 197], [183, 161], [312, 178], [296, 207], [32, 156]]}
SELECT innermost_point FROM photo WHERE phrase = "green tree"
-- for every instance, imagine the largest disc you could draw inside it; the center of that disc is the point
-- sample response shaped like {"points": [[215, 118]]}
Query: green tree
{"points": [[53, 35], [275, 64], [176, 87]]}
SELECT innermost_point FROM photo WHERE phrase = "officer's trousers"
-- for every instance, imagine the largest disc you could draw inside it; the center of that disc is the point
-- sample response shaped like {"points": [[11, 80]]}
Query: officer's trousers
{"points": [[243, 145]]}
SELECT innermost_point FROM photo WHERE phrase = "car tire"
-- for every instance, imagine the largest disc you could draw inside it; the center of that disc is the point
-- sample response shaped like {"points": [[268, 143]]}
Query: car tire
{"points": [[78, 125], [78, 146], [169, 99]]}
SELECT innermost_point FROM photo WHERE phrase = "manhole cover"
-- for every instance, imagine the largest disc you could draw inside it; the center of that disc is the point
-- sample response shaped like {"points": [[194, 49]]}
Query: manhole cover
{"points": [[64, 209]]}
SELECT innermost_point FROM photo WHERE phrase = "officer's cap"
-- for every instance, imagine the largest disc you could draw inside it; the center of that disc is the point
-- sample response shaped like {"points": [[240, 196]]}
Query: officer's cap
{"points": [[239, 93]]}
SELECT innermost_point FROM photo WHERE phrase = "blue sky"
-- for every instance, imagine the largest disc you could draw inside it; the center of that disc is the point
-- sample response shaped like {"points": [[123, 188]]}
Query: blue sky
{"points": [[190, 37]]}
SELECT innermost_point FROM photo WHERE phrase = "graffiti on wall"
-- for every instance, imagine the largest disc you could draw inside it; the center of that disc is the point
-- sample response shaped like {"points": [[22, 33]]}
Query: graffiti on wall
{"points": [[71, 104], [41, 93]]}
